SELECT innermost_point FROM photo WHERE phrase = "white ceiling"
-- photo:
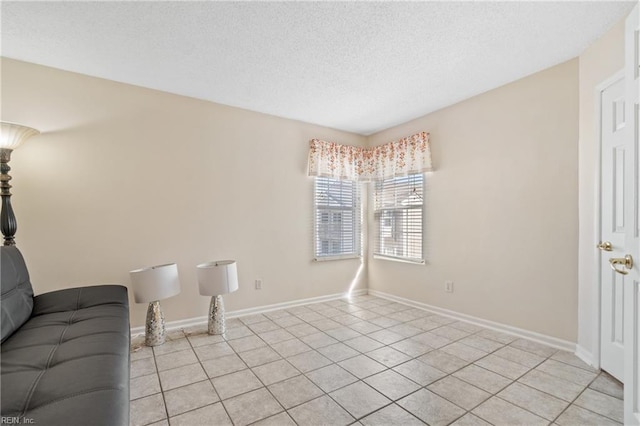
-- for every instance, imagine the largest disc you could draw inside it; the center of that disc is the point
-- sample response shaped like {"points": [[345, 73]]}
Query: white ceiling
{"points": [[355, 66]]}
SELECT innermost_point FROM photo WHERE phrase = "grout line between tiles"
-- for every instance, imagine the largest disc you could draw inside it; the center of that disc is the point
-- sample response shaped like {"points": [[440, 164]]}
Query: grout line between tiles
{"points": [[164, 401], [394, 314]]}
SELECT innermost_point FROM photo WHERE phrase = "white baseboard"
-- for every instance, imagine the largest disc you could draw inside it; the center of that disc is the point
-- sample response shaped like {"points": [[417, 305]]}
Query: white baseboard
{"points": [[586, 356], [190, 322], [514, 331]]}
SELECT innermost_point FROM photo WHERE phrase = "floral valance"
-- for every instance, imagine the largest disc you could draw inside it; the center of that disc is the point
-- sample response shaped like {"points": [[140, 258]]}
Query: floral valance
{"points": [[399, 158]]}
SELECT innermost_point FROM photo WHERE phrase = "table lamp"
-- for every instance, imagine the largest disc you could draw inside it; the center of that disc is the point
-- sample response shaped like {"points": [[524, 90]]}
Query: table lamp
{"points": [[215, 279], [152, 285]]}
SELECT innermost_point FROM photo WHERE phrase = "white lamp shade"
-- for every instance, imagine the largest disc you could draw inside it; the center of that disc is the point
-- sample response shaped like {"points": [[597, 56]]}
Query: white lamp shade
{"points": [[155, 283], [12, 135], [218, 277]]}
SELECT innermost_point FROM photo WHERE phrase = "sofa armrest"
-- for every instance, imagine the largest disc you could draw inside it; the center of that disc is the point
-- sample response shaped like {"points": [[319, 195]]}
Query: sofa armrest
{"points": [[71, 299]]}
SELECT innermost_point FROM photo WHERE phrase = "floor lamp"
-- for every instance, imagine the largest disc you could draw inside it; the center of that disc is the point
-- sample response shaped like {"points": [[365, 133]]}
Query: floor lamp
{"points": [[12, 135]]}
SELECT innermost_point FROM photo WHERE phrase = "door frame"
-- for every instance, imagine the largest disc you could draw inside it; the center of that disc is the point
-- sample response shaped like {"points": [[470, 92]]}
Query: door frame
{"points": [[597, 288]]}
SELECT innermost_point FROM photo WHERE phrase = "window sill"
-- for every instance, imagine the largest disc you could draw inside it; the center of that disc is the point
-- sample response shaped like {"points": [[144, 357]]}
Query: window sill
{"points": [[329, 258], [401, 260]]}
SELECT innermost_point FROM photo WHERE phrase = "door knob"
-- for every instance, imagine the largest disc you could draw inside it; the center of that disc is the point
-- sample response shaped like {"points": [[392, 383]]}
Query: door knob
{"points": [[605, 246], [626, 262]]}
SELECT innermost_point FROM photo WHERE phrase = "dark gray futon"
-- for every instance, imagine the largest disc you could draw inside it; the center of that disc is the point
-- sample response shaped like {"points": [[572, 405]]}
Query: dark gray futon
{"points": [[65, 354]]}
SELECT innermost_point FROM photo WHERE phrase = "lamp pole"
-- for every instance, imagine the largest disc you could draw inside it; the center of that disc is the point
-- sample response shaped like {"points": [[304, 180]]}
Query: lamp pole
{"points": [[12, 135], [8, 223]]}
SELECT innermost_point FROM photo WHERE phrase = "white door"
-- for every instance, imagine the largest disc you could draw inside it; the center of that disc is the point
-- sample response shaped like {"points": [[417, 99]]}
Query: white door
{"points": [[632, 235], [613, 225]]}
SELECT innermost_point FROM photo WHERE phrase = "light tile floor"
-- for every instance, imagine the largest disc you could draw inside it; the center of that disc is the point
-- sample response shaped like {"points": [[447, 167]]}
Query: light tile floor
{"points": [[363, 361]]}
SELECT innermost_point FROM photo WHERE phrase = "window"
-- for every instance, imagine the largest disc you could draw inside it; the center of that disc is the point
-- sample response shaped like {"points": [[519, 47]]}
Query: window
{"points": [[337, 218], [398, 216]]}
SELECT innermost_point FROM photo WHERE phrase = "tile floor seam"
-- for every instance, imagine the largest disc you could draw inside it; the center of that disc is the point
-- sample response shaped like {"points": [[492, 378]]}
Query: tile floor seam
{"points": [[338, 388], [336, 363], [208, 378], [522, 408], [600, 392], [462, 415], [194, 409], [332, 363], [357, 419], [570, 365], [496, 395], [574, 400], [425, 387], [465, 409], [247, 392], [530, 368], [191, 410], [304, 402], [491, 395], [164, 401], [508, 378], [259, 379], [588, 409], [403, 321], [553, 396], [175, 368], [396, 403], [386, 369], [543, 392]]}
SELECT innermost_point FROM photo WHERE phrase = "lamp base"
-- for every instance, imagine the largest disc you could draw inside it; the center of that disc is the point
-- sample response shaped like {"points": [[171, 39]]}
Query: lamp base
{"points": [[8, 223], [216, 315], [154, 330]]}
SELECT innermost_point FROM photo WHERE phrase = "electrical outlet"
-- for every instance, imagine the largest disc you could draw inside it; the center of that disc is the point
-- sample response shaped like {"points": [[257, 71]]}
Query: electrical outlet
{"points": [[448, 286], [258, 284]]}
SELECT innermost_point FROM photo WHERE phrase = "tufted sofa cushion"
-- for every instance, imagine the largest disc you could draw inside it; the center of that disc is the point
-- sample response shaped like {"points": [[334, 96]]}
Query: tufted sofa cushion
{"points": [[69, 363], [17, 295]]}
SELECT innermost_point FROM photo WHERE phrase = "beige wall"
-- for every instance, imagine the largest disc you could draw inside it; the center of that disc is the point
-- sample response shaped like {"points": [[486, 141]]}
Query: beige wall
{"points": [[501, 207], [597, 63], [124, 177]]}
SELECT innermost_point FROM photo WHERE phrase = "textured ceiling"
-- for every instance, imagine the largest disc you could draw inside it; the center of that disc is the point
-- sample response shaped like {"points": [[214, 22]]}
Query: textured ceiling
{"points": [[355, 66]]}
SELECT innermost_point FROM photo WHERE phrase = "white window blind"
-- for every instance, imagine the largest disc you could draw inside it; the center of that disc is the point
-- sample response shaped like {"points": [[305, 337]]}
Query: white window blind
{"points": [[398, 215], [338, 218]]}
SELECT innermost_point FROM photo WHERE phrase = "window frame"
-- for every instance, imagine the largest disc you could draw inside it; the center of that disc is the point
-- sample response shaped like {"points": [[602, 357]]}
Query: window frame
{"points": [[379, 218], [357, 229]]}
